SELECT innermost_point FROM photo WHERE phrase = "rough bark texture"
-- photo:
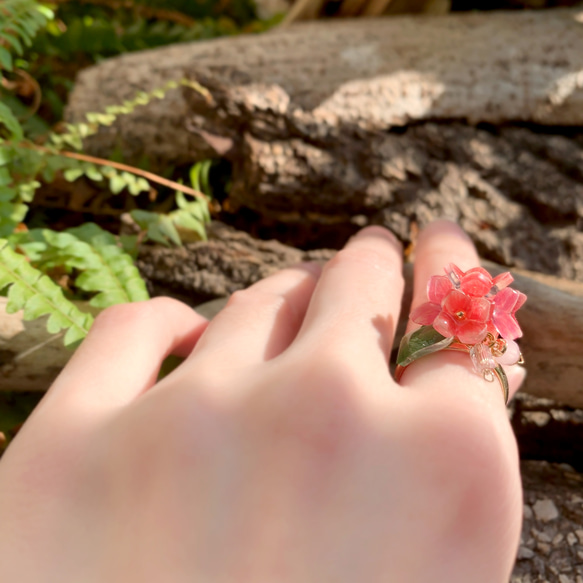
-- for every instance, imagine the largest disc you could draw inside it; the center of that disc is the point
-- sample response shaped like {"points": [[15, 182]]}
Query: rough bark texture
{"points": [[518, 193], [308, 118], [320, 79], [551, 545]]}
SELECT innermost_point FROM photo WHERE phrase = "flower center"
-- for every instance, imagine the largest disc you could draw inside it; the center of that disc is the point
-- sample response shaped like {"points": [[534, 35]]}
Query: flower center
{"points": [[460, 315]]}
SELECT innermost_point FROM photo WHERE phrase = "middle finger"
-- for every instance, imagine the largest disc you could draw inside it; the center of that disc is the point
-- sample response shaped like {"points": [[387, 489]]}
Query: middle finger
{"points": [[355, 306]]}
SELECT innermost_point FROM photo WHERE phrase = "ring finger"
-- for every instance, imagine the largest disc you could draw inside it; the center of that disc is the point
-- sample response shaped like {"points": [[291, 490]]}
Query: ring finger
{"points": [[441, 243]]}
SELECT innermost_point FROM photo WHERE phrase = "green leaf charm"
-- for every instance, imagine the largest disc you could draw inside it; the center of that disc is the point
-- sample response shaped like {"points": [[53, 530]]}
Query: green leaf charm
{"points": [[421, 342]]}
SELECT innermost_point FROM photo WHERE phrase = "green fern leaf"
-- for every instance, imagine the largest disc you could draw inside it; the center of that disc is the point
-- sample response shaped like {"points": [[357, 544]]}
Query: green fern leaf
{"points": [[12, 41], [37, 295], [5, 59], [106, 268], [31, 244], [10, 215], [158, 228], [11, 123], [7, 194]]}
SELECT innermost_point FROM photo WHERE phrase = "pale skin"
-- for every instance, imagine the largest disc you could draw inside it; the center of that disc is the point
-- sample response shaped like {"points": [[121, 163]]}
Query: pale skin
{"points": [[280, 451]]}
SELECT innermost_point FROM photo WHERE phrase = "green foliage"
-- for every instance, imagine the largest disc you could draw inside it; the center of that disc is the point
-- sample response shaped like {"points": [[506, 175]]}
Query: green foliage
{"points": [[15, 407], [105, 268], [95, 261], [37, 295], [190, 217], [93, 258], [20, 20], [75, 133], [83, 33], [23, 163]]}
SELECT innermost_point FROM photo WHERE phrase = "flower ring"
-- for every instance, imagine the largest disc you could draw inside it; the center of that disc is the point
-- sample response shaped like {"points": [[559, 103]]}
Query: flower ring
{"points": [[469, 312]]}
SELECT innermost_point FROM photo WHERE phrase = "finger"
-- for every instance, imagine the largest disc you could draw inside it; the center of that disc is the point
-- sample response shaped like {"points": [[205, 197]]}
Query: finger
{"points": [[356, 304], [122, 355], [260, 322], [440, 243], [516, 376]]}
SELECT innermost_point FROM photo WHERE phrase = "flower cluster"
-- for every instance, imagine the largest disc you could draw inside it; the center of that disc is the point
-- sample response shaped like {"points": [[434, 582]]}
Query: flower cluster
{"points": [[476, 309]]}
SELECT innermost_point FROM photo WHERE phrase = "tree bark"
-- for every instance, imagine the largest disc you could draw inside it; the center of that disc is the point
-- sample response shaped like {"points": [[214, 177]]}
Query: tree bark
{"points": [[326, 126], [316, 78]]}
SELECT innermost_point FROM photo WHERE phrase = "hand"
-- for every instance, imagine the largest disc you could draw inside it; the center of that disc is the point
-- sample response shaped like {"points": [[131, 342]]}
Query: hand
{"points": [[281, 450]]}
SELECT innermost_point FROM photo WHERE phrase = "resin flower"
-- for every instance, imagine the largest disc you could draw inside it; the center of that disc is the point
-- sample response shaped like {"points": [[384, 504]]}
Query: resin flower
{"points": [[463, 316], [477, 281], [506, 303], [462, 304]]}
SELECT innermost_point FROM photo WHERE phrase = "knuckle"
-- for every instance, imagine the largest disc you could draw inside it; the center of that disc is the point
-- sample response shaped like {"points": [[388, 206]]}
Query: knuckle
{"points": [[317, 413], [124, 314], [247, 303], [186, 431], [252, 299]]}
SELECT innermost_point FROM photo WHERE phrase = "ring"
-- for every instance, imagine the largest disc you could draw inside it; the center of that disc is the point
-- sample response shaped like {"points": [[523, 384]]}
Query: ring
{"points": [[469, 312]]}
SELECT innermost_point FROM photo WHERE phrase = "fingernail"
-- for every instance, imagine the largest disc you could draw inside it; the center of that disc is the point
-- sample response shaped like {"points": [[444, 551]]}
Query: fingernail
{"points": [[381, 232], [311, 267]]}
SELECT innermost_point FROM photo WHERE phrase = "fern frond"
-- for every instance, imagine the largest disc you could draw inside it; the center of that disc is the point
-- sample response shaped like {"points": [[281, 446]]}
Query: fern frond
{"points": [[20, 20], [8, 119], [106, 268], [76, 133], [37, 295], [188, 221]]}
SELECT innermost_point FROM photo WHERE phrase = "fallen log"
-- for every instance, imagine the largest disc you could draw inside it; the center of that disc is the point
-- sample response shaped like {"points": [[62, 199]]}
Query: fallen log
{"points": [[552, 318], [314, 120], [374, 74]]}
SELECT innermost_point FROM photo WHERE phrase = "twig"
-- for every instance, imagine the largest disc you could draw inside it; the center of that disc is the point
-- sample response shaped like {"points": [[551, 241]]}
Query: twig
{"points": [[144, 173], [16, 87], [124, 167], [36, 347]]}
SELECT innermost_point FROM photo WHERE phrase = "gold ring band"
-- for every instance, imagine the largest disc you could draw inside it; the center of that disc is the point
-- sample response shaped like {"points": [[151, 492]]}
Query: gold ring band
{"points": [[497, 372]]}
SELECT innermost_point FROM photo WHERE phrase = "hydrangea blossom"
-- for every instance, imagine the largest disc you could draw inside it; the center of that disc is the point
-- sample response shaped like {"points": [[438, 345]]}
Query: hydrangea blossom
{"points": [[470, 305]]}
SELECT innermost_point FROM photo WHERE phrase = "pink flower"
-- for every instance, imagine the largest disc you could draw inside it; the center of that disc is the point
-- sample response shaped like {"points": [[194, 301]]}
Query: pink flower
{"points": [[506, 303], [470, 304], [477, 281]]}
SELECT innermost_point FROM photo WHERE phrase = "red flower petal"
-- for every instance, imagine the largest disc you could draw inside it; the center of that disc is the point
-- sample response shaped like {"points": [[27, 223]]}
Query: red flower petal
{"points": [[503, 280], [480, 310], [506, 299], [521, 299], [476, 282], [472, 332], [506, 324], [445, 325], [438, 287], [425, 313], [457, 301], [452, 268]]}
